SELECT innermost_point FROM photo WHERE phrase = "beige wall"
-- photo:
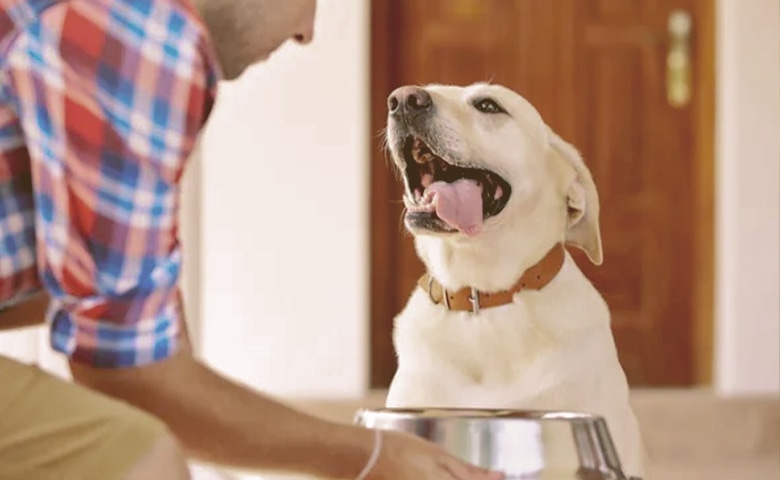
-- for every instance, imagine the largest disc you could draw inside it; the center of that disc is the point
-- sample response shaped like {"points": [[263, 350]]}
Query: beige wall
{"points": [[284, 219], [748, 207]]}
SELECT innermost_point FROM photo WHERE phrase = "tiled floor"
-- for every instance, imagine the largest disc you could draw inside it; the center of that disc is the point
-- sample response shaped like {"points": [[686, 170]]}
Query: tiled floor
{"points": [[758, 468]]}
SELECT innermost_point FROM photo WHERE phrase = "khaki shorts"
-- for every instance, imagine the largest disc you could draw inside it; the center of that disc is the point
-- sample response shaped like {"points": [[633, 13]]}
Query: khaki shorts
{"points": [[52, 429]]}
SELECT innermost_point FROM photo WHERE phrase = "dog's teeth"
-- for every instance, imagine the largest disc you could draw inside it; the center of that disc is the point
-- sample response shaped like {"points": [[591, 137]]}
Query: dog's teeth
{"points": [[416, 147], [423, 157], [422, 208], [426, 179], [498, 193]]}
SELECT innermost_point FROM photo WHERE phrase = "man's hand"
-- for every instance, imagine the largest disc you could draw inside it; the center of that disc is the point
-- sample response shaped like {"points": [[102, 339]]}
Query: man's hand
{"points": [[405, 457]]}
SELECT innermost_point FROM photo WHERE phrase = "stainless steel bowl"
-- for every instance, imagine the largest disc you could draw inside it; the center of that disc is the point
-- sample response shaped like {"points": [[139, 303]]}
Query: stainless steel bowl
{"points": [[528, 445]]}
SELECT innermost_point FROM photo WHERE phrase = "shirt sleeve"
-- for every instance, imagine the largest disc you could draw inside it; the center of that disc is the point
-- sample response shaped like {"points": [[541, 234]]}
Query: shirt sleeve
{"points": [[111, 96]]}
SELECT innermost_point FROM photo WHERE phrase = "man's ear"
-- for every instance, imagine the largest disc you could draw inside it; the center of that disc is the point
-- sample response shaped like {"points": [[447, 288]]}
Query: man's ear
{"points": [[582, 203]]}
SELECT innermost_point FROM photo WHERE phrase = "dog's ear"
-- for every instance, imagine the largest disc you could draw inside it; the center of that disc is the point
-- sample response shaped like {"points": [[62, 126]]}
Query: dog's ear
{"points": [[582, 201]]}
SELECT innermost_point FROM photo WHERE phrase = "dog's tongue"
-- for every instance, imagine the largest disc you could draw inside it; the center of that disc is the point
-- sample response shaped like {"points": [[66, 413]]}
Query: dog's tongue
{"points": [[459, 204]]}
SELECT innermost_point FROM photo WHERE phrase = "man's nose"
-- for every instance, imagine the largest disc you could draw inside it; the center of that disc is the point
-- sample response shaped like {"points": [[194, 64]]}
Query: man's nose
{"points": [[409, 99], [305, 30], [305, 37]]}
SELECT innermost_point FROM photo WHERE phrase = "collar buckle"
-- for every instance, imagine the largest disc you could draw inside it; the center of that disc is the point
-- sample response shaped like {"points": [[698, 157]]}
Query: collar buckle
{"points": [[444, 296], [474, 300]]}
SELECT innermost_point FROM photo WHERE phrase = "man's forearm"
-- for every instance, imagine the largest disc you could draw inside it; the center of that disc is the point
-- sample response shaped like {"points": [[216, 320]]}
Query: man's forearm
{"points": [[224, 422], [31, 312]]}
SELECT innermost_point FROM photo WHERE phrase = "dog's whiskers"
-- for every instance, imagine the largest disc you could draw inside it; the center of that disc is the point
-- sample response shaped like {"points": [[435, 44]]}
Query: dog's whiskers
{"points": [[401, 225]]}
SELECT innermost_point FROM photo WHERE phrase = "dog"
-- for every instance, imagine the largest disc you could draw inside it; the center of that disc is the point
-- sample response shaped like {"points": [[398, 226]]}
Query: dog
{"points": [[503, 318]]}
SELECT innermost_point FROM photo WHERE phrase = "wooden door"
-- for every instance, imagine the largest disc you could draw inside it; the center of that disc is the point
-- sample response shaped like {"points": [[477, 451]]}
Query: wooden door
{"points": [[596, 70]]}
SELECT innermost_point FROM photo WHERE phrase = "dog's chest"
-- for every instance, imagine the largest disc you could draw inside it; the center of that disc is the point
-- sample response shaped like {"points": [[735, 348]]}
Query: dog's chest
{"points": [[501, 346]]}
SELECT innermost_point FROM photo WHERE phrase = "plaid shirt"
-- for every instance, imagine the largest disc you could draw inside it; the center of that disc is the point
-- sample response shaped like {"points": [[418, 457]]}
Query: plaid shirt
{"points": [[101, 102]]}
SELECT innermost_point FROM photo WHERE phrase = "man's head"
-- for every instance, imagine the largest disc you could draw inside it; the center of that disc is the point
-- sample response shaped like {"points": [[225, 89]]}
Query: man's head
{"points": [[248, 31]]}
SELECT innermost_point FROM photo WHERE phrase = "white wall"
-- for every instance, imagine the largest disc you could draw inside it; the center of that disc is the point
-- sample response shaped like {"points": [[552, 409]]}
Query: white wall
{"points": [[748, 206], [284, 219]]}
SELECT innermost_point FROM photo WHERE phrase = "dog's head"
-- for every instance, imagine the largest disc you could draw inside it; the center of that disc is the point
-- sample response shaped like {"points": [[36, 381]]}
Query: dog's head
{"points": [[483, 173]]}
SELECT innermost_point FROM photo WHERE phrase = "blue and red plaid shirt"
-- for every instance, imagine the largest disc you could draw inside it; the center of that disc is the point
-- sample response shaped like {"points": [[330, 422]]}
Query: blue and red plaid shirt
{"points": [[101, 102]]}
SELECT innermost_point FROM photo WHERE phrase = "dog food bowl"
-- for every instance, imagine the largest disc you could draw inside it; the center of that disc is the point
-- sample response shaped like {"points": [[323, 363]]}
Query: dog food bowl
{"points": [[528, 445]]}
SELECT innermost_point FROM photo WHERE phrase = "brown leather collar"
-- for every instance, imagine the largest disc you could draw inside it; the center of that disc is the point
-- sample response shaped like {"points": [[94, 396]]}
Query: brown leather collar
{"points": [[471, 299]]}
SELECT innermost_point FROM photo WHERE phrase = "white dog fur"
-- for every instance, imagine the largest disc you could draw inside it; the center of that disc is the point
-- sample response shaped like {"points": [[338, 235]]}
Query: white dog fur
{"points": [[550, 349]]}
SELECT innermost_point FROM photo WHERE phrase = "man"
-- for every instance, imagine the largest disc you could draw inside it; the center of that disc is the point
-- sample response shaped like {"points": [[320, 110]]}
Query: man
{"points": [[100, 105]]}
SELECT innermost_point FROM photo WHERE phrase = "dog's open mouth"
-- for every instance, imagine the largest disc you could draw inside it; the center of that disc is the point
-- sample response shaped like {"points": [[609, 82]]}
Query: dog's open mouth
{"points": [[462, 198]]}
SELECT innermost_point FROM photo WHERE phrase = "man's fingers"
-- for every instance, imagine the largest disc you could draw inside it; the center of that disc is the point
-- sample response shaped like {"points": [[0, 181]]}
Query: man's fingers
{"points": [[466, 471], [495, 476]]}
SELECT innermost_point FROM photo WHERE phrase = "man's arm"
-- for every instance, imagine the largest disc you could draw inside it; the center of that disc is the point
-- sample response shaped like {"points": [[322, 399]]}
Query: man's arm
{"points": [[30, 312], [224, 422], [218, 420]]}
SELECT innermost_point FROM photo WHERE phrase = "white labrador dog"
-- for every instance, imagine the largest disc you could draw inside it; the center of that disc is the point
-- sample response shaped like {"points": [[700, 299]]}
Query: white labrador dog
{"points": [[492, 195]]}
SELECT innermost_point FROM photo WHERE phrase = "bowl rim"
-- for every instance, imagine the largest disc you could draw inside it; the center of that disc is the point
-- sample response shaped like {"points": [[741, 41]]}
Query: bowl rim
{"points": [[437, 413]]}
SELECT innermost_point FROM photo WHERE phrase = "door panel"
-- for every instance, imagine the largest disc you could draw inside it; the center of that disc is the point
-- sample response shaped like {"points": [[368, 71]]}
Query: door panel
{"points": [[596, 71]]}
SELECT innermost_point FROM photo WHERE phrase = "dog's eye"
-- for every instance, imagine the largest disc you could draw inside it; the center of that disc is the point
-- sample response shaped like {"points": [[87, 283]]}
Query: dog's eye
{"points": [[488, 105]]}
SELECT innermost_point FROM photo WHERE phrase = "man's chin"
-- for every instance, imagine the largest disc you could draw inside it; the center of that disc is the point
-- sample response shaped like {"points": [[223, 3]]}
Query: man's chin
{"points": [[231, 72], [237, 69]]}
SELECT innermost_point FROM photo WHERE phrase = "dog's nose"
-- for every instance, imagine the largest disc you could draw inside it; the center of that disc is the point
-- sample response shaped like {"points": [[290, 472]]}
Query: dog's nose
{"points": [[410, 99]]}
